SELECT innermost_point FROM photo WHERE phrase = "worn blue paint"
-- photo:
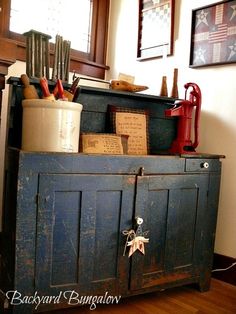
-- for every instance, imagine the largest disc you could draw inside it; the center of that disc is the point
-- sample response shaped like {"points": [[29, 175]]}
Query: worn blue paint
{"points": [[64, 213]]}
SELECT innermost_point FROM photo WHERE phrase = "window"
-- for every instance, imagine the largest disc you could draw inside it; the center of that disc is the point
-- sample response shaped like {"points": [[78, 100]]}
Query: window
{"points": [[52, 13], [82, 22]]}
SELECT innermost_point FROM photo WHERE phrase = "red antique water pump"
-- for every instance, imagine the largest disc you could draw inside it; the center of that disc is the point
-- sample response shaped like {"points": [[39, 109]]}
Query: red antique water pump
{"points": [[183, 109]]}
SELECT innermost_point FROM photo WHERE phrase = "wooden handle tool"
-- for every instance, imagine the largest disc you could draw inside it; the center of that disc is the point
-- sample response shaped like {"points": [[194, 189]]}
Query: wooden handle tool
{"points": [[116, 84], [68, 95], [71, 91], [59, 91], [125, 86], [29, 91], [45, 89]]}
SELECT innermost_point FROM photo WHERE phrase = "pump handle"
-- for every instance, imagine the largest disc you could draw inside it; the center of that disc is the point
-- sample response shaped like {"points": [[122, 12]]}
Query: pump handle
{"points": [[195, 97]]}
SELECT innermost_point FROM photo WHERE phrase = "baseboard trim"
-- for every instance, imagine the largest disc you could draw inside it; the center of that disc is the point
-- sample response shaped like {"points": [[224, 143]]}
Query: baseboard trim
{"points": [[221, 262]]}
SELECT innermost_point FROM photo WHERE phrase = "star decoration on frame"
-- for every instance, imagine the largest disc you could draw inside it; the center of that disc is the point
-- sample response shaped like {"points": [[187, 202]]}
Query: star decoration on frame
{"points": [[233, 7], [202, 18], [200, 55], [232, 51]]}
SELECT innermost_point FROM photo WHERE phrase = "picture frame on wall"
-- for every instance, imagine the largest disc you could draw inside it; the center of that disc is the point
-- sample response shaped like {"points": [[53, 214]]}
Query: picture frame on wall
{"points": [[213, 34], [156, 27]]}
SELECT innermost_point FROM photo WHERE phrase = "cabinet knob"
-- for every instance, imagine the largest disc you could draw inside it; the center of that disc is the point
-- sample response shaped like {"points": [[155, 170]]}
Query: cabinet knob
{"points": [[139, 220], [205, 165]]}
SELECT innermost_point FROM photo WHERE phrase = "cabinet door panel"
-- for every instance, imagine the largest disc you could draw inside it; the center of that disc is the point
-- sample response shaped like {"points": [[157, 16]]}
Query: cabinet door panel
{"points": [[65, 238], [170, 206], [79, 233]]}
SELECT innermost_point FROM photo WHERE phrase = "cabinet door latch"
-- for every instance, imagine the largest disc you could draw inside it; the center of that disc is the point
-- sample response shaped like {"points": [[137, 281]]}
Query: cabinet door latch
{"points": [[141, 171]]}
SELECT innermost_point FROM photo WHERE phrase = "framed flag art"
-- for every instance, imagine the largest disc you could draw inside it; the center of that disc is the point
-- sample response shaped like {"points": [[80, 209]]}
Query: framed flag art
{"points": [[213, 35]]}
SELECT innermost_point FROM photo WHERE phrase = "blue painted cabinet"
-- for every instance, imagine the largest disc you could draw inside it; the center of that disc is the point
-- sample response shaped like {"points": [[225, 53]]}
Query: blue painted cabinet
{"points": [[71, 212], [172, 207], [80, 223], [64, 214], [79, 232]]}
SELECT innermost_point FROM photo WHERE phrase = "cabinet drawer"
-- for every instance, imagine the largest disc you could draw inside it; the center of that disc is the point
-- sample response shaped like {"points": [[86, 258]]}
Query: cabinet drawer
{"points": [[203, 164]]}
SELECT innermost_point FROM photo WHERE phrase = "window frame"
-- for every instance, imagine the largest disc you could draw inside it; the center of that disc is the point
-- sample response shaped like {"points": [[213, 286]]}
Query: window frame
{"points": [[91, 64]]}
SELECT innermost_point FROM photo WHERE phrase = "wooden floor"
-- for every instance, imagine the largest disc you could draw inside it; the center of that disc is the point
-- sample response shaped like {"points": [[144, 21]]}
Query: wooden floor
{"points": [[221, 299]]}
